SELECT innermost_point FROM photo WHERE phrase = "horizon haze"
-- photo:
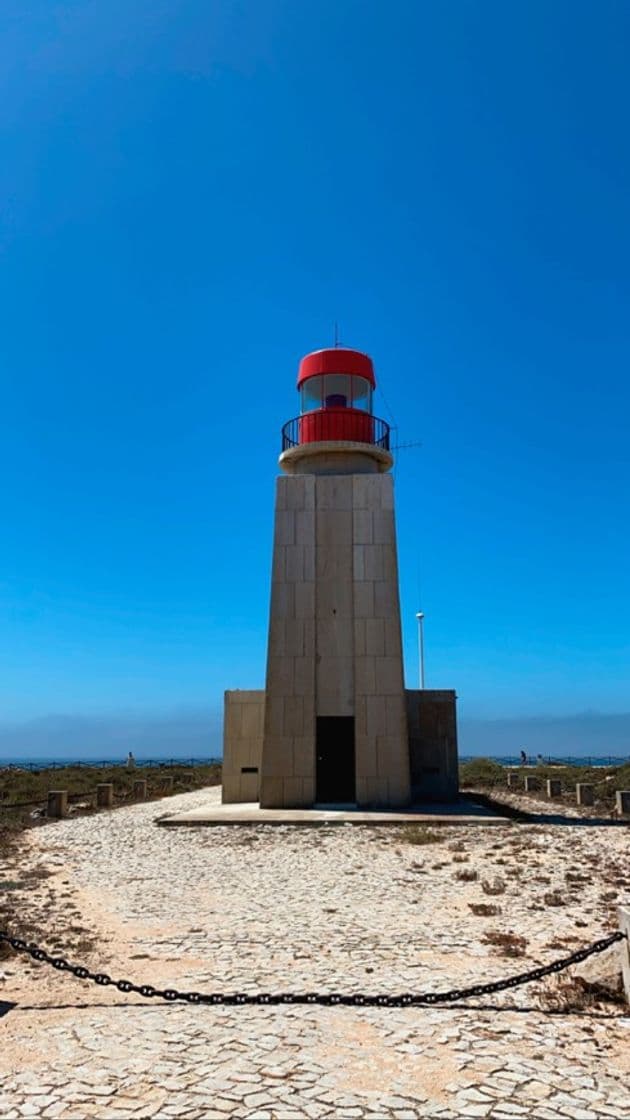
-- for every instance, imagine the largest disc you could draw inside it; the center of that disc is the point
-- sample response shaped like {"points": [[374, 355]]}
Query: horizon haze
{"points": [[197, 733]]}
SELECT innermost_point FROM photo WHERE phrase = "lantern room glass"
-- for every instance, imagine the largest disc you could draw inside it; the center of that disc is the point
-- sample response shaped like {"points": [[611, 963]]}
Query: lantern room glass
{"points": [[361, 394], [336, 390], [311, 394]]}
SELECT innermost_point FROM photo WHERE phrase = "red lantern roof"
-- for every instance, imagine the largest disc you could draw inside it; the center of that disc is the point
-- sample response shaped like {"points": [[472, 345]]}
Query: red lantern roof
{"points": [[336, 360]]}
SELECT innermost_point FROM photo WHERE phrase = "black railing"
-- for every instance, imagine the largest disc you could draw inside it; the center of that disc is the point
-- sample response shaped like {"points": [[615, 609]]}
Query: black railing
{"points": [[335, 424]]}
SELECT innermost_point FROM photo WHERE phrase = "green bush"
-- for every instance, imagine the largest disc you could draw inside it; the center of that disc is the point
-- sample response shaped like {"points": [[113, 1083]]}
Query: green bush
{"points": [[482, 772], [621, 778]]}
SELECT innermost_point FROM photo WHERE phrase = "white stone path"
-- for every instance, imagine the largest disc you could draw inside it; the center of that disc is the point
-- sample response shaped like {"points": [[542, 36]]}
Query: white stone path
{"points": [[317, 909]]}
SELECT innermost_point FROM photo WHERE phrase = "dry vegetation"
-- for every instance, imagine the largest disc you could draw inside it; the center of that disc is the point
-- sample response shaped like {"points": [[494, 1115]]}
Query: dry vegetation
{"points": [[567, 994], [484, 909], [467, 875], [493, 886], [507, 944], [23, 791], [487, 775]]}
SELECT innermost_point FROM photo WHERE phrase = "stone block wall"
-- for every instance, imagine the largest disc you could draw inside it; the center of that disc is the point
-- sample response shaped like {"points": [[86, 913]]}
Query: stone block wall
{"points": [[243, 725], [288, 763], [334, 637], [432, 719], [382, 753]]}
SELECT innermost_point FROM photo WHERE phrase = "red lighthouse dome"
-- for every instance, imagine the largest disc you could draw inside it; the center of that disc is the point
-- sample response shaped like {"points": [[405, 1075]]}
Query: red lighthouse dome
{"points": [[338, 360]]}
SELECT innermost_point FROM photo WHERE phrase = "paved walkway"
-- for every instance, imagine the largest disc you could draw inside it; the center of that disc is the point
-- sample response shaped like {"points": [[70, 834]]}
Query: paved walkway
{"points": [[280, 908]]}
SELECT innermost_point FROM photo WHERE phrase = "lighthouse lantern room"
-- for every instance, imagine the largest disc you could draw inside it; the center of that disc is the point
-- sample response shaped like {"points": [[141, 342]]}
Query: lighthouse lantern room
{"points": [[336, 387]]}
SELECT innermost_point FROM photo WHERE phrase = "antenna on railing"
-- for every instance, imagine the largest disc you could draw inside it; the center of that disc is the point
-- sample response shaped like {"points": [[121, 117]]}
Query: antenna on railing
{"points": [[405, 446]]}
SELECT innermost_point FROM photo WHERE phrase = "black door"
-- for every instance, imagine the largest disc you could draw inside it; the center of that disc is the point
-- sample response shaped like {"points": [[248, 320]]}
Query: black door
{"points": [[335, 760]]}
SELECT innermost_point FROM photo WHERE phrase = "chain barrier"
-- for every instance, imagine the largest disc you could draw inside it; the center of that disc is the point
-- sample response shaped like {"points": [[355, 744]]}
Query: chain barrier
{"points": [[23, 804], [332, 999]]}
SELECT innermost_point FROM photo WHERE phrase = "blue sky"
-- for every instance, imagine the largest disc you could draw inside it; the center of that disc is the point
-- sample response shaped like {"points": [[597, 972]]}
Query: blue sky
{"points": [[191, 193]]}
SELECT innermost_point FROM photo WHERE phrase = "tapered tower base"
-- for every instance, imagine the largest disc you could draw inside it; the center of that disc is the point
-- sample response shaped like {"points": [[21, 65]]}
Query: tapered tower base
{"points": [[335, 724]]}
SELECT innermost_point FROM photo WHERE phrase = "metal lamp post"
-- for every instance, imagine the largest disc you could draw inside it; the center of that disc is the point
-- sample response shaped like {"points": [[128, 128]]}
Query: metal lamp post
{"points": [[420, 617]]}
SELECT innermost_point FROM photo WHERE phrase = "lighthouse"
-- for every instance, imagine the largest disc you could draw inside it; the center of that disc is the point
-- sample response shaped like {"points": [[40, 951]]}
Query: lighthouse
{"points": [[334, 725]]}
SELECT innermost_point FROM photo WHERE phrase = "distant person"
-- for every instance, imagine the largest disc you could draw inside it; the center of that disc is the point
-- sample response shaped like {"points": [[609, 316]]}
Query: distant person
{"points": [[131, 762], [523, 758], [539, 760]]}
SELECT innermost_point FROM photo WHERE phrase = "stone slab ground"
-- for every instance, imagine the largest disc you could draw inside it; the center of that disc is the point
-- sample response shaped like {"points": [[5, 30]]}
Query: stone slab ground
{"points": [[357, 909], [464, 811]]}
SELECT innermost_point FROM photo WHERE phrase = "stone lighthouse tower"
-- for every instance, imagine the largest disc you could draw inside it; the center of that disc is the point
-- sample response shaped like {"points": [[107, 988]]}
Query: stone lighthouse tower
{"points": [[335, 725]]}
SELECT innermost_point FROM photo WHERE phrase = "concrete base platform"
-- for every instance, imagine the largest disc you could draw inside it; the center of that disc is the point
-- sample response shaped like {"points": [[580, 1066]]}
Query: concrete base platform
{"points": [[463, 811]]}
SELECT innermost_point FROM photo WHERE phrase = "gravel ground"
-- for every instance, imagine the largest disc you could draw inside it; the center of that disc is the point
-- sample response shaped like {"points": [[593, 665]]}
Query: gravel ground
{"points": [[345, 908]]}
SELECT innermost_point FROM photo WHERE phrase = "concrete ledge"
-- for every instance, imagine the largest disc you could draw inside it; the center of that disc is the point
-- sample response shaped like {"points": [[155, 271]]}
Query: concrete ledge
{"points": [[458, 812], [341, 456]]}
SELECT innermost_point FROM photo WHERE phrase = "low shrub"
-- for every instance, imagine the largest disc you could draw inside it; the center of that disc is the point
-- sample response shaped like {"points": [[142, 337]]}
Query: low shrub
{"points": [[481, 772], [554, 898], [493, 886], [484, 909]]}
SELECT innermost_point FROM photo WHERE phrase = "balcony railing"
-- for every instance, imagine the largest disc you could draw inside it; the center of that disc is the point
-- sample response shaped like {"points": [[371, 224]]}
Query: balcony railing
{"points": [[331, 424]]}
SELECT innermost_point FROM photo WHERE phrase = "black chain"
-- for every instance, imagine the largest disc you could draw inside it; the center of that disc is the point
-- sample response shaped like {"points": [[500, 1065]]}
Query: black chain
{"points": [[333, 999]]}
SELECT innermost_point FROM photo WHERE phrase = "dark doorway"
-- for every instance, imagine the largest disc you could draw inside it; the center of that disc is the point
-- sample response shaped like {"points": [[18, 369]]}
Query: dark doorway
{"points": [[335, 782]]}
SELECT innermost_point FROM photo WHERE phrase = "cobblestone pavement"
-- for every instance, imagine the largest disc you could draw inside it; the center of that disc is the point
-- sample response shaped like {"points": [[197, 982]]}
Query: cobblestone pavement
{"points": [[348, 908]]}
